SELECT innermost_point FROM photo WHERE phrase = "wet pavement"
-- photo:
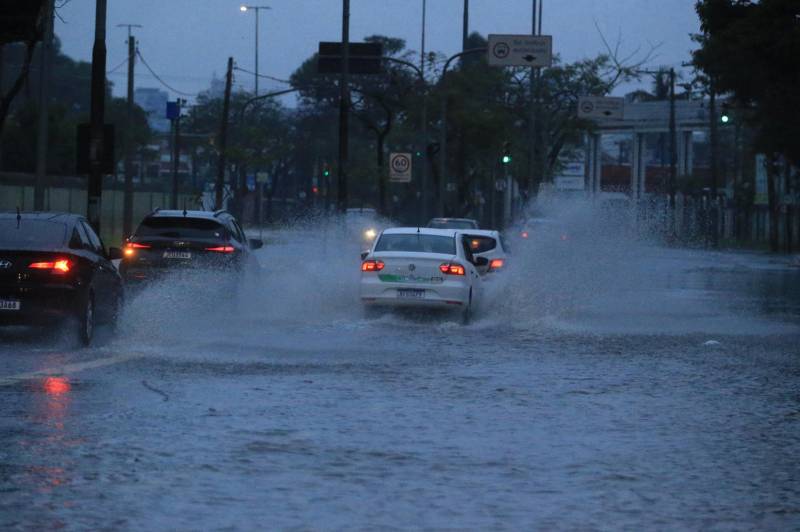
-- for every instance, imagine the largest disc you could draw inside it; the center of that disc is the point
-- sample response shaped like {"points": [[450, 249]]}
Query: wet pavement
{"points": [[605, 385]]}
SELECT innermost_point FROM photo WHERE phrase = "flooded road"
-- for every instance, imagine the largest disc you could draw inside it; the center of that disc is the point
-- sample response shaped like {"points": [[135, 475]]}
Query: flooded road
{"points": [[623, 387]]}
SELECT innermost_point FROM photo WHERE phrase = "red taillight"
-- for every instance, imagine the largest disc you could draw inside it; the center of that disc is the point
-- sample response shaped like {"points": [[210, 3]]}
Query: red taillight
{"points": [[451, 269], [58, 267], [524, 234], [222, 249], [372, 266], [496, 264], [131, 247]]}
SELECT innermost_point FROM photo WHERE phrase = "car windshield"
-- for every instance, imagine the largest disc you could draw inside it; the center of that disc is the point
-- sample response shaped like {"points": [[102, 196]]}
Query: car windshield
{"points": [[417, 242], [452, 224], [180, 227], [31, 234]]}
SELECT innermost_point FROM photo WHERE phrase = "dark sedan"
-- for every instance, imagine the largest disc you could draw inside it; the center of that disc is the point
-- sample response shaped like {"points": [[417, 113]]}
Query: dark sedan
{"points": [[54, 266]]}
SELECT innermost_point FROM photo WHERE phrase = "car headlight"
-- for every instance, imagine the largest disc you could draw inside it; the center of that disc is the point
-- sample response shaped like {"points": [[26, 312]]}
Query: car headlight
{"points": [[370, 234]]}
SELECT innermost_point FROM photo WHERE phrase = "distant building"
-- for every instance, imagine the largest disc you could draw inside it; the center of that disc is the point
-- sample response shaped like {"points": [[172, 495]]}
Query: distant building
{"points": [[154, 103]]}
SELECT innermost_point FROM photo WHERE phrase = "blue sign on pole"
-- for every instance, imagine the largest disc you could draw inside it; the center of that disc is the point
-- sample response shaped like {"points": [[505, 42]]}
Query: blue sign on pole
{"points": [[173, 110]]}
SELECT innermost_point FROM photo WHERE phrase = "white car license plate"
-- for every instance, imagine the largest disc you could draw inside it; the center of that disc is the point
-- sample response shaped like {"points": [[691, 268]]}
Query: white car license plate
{"points": [[410, 293], [9, 304], [177, 255]]}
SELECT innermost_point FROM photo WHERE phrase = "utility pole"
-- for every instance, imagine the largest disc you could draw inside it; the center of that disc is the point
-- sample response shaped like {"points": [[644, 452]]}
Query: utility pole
{"points": [[176, 156], [127, 205], [712, 185], [424, 151], [673, 145], [223, 137], [532, 116], [45, 50], [465, 28], [97, 118], [344, 103]]}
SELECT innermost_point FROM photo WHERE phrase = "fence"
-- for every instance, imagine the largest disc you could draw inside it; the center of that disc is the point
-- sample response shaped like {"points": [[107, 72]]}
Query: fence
{"points": [[68, 194]]}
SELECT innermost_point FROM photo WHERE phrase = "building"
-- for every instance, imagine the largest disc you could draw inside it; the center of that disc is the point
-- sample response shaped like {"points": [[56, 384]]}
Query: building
{"points": [[154, 103]]}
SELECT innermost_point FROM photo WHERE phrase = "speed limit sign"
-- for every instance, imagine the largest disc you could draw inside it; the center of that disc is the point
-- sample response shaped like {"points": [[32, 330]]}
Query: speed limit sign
{"points": [[400, 167]]}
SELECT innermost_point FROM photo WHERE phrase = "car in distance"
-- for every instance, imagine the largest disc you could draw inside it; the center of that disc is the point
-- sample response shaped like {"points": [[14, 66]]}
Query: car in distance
{"points": [[421, 267], [54, 266], [364, 223], [453, 223], [169, 240]]}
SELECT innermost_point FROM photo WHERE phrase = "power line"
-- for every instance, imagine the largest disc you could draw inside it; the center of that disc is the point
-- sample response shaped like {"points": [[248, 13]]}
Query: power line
{"points": [[125, 61], [263, 75], [167, 85]]}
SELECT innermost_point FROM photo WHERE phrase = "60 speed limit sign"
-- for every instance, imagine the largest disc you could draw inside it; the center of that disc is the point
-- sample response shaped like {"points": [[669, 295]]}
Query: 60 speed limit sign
{"points": [[400, 167]]}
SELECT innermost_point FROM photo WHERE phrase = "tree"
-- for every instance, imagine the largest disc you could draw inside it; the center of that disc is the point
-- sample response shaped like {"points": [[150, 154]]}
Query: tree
{"points": [[750, 51]]}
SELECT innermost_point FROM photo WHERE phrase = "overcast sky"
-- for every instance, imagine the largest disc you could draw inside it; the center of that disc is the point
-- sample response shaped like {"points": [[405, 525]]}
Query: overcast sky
{"points": [[186, 41]]}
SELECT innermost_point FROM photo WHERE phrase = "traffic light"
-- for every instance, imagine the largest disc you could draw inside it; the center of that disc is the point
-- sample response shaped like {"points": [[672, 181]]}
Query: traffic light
{"points": [[326, 171], [724, 118], [725, 114], [506, 157]]}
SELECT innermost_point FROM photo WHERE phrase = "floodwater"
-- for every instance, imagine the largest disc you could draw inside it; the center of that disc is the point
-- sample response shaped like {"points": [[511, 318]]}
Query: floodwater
{"points": [[607, 383]]}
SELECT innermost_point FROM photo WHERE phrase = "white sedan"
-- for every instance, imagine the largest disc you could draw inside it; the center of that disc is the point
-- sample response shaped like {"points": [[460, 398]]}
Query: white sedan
{"points": [[422, 267]]}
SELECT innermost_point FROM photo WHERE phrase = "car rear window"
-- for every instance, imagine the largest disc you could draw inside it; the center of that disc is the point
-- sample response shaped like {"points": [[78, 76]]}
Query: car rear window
{"points": [[445, 245], [180, 227], [481, 244], [451, 224], [31, 234]]}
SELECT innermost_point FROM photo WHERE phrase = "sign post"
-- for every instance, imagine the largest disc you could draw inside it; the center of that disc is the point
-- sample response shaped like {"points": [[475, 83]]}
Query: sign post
{"points": [[520, 50], [400, 167]]}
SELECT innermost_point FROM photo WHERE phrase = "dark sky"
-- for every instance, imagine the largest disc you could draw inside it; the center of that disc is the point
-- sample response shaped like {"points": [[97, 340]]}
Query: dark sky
{"points": [[186, 41]]}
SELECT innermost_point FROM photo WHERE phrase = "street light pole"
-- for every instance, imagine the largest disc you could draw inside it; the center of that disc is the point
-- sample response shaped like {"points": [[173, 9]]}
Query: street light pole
{"points": [[257, 9], [424, 152]]}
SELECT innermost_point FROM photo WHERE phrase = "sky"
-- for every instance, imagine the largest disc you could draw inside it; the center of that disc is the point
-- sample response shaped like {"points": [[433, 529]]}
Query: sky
{"points": [[187, 41]]}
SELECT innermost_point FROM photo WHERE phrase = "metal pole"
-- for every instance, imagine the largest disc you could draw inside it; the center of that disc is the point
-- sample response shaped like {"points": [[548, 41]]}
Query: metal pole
{"points": [[532, 111], [176, 158], [127, 202], [45, 48], [258, 11], [673, 144], [223, 137], [97, 118], [344, 102], [424, 178], [713, 177], [465, 29]]}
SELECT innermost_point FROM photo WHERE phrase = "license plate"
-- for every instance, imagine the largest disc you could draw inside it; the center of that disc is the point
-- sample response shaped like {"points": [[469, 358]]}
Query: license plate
{"points": [[404, 293], [9, 304], [177, 255]]}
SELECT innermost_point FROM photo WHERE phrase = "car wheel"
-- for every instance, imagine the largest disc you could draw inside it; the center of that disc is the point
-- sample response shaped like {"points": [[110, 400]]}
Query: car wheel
{"points": [[466, 316], [119, 303], [86, 320]]}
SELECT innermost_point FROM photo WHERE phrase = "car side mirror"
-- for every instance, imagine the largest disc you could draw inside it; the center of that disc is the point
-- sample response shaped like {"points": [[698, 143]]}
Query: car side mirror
{"points": [[364, 254], [256, 243], [114, 253], [481, 261]]}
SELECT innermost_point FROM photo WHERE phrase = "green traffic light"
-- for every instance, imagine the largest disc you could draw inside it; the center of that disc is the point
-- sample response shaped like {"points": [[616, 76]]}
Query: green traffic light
{"points": [[326, 173], [506, 159], [724, 119]]}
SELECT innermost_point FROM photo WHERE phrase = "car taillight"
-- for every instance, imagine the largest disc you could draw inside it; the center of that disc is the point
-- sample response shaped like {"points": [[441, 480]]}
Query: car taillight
{"points": [[222, 249], [524, 234], [58, 267], [131, 247], [496, 264], [451, 268], [372, 266]]}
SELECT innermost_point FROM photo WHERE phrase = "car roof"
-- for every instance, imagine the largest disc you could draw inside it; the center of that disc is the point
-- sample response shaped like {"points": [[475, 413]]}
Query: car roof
{"points": [[43, 215], [453, 220], [481, 232], [420, 230], [179, 213]]}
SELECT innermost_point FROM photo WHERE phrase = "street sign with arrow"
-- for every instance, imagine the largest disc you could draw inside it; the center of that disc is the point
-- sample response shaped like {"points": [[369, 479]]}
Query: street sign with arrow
{"points": [[520, 50], [600, 108]]}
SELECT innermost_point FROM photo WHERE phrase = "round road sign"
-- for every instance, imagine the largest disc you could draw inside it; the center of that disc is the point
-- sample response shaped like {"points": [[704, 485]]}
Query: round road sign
{"points": [[501, 50], [400, 163]]}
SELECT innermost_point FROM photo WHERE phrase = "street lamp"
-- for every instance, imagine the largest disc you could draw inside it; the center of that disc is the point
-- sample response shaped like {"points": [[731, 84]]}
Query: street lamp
{"points": [[244, 8]]}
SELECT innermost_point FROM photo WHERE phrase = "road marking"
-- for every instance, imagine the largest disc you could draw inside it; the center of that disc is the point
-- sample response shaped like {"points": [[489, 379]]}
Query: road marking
{"points": [[69, 368]]}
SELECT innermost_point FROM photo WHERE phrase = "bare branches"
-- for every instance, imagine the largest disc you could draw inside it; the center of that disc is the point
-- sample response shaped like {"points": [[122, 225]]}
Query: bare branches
{"points": [[625, 68]]}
